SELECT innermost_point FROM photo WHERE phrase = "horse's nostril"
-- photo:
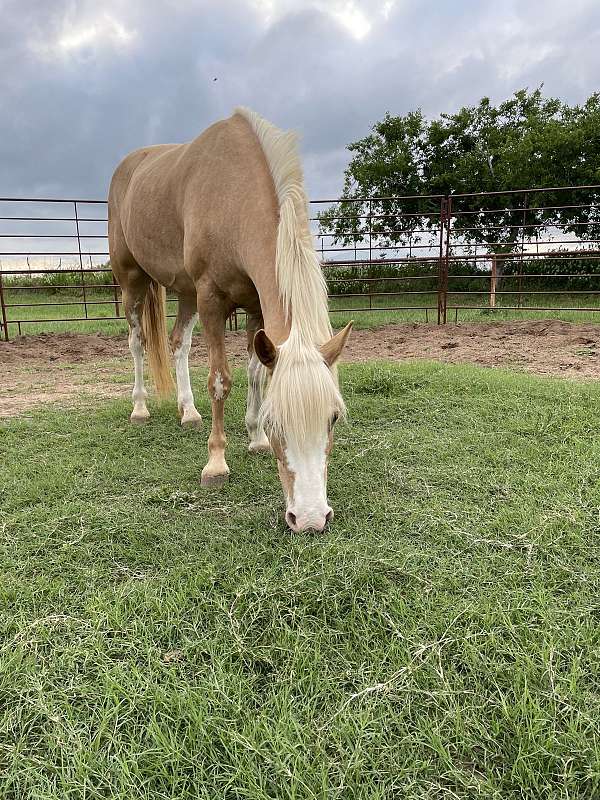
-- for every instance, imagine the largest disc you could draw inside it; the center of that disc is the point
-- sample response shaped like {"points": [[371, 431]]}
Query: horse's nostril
{"points": [[290, 518], [329, 516]]}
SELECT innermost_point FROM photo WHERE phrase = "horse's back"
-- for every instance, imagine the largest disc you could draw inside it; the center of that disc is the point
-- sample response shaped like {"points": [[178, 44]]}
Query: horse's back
{"points": [[206, 193], [141, 216]]}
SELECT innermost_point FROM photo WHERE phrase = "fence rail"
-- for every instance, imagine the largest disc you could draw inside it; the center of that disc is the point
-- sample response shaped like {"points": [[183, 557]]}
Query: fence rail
{"points": [[516, 251]]}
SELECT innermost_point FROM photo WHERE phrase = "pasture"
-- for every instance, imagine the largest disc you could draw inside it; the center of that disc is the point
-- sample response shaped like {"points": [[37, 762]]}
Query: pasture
{"points": [[439, 640], [38, 305]]}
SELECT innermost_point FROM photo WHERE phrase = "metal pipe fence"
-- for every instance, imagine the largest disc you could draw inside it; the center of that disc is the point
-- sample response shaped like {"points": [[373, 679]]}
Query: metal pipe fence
{"points": [[434, 255]]}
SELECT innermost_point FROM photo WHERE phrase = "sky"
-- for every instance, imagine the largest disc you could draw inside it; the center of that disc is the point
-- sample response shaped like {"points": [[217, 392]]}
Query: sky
{"points": [[83, 83]]}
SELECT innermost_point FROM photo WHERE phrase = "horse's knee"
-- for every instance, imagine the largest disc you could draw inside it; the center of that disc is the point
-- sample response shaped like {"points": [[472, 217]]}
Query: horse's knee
{"points": [[219, 384]]}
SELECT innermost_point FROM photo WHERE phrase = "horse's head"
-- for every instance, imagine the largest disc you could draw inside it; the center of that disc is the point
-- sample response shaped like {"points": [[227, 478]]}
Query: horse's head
{"points": [[301, 406]]}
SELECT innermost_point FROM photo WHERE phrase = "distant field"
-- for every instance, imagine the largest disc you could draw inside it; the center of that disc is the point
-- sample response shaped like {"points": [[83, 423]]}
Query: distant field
{"points": [[72, 306]]}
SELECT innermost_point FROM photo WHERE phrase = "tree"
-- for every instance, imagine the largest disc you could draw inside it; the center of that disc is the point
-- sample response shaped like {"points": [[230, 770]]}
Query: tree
{"points": [[528, 141]]}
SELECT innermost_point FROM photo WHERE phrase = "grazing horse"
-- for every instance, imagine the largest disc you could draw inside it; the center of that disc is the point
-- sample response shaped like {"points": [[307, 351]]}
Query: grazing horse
{"points": [[222, 222]]}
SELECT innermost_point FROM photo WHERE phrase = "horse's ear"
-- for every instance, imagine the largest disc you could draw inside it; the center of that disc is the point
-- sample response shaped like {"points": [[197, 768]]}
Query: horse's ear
{"points": [[332, 349], [265, 349]]}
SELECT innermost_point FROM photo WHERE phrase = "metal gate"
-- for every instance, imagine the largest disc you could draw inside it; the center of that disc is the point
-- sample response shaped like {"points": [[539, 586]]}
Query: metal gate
{"points": [[527, 250]]}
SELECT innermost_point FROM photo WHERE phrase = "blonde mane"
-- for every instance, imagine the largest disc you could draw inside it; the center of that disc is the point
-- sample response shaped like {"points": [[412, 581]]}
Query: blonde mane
{"points": [[303, 393], [300, 280]]}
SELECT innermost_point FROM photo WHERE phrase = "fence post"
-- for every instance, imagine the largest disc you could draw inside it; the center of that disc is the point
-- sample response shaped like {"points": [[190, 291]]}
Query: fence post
{"points": [[447, 258], [370, 230], [80, 260], [116, 295], [520, 278], [443, 260], [493, 283], [440, 260], [3, 305]]}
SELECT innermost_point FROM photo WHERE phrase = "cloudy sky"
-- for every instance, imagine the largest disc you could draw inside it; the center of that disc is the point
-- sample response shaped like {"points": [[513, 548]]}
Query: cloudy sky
{"points": [[84, 82]]}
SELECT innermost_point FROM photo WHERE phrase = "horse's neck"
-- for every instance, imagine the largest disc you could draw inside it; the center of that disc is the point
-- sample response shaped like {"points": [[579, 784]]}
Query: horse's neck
{"points": [[276, 325]]}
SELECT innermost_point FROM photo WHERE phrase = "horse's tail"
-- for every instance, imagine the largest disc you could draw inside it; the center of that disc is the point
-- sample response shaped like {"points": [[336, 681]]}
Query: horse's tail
{"points": [[154, 322]]}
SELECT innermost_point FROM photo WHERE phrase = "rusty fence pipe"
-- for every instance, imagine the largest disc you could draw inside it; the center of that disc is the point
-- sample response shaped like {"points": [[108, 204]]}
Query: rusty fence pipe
{"points": [[520, 274], [85, 308], [447, 255], [492, 285], [3, 306], [370, 232], [116, 295], [452, 241], [442, 264]]}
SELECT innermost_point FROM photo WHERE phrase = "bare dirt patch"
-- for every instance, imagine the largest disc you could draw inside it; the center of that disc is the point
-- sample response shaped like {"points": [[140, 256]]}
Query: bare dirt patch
{"points": [[67, 368], [545, 347]]}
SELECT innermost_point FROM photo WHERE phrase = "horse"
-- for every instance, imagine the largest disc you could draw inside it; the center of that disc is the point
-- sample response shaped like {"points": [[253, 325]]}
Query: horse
{"points": [[222, 222]]}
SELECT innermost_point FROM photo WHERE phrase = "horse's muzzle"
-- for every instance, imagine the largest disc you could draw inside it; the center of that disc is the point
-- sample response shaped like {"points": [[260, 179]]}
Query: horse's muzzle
{"points": [[315, 522]]}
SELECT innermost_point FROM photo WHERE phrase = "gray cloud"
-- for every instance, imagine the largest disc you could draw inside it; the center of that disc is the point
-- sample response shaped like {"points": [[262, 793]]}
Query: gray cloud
{"points": [[83, 84]]}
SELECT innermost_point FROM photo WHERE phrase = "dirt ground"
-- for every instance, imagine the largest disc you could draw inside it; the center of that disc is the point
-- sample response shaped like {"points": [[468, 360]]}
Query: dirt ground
{"points": [[67, 368]]}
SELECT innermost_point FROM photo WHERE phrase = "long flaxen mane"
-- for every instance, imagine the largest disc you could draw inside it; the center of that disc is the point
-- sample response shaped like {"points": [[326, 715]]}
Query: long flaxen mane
{"points": [[303, 393]]}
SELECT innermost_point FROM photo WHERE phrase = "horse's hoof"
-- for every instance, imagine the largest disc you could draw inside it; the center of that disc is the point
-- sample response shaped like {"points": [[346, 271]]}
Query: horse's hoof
{"points": [[259, 447], [214, 481], [139, 418], [191, 423]]}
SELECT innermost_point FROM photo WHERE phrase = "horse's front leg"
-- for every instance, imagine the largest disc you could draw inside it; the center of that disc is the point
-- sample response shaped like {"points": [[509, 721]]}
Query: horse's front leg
{"points": [[258, 440], [213, 315], [216, 471]]}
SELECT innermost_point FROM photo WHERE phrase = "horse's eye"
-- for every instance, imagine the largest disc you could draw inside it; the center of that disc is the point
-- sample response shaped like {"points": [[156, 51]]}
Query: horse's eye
{"points": [[332, 421]]}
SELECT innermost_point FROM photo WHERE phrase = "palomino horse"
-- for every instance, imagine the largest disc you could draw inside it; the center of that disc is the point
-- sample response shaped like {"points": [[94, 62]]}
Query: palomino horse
{"points": [[222, 222]]}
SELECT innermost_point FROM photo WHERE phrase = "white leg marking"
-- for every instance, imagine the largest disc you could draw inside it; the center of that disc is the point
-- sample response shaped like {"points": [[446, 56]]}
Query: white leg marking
{"points": [[185, 398], [258, 439], [218, 387], [139, 393]]}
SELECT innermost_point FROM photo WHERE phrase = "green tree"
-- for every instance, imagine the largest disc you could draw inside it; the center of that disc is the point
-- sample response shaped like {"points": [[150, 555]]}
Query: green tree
{"points": [[527, 141]]}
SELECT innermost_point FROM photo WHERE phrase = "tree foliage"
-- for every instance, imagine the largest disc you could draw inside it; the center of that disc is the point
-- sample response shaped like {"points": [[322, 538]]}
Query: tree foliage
{"points": [[527, 141]]}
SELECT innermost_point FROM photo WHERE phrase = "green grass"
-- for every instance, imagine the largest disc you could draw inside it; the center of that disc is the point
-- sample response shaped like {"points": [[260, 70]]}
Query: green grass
{"points": [[439, 641], [73, 307]]}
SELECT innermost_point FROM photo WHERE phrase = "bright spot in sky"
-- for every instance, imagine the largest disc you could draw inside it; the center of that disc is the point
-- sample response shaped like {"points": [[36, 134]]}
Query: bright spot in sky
{"points": [[352, 18], [348, 13], [387, 7], [106, 28], [78, 39]]}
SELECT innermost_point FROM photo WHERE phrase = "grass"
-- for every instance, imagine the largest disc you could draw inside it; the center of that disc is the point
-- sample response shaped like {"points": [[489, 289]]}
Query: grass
{"points": [[439, 641], [73, 307]]}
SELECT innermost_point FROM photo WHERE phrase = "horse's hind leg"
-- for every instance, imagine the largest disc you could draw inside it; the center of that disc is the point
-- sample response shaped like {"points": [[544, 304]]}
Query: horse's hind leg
{"points": [[134, 289], [134, 283], [181, 341], [258, 439]]}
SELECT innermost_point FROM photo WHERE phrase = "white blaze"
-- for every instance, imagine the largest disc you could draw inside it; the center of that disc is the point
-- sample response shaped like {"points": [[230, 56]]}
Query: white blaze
{"points": [[309, 502]]}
